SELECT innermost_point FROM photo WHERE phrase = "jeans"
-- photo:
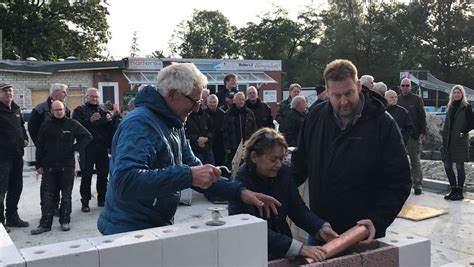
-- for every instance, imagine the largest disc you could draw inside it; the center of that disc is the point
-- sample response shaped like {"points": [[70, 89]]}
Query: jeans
{"points": [[98, 156], [11, 185], [53, 182], [448, 167]]}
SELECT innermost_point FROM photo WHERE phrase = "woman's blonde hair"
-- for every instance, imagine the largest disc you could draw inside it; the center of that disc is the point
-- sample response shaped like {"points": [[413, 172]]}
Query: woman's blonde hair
{"points": [[451, 99], [262, 141]]}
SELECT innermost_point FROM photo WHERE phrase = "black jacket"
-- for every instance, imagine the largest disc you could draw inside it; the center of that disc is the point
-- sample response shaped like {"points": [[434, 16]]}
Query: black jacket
{"points": [[217, 118], [262, 112], [416, 109], [41, 113], [222, 93], [56, 143], [400, 114], [359, 173], [12, 132], [100, 130], [292, 125], [456, 133], [199, 124], [283, 188], [238, 124]]}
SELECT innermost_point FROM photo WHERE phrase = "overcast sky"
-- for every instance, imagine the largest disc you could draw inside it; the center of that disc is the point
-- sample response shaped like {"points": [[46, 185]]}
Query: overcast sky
{"points": [[155, 21]]}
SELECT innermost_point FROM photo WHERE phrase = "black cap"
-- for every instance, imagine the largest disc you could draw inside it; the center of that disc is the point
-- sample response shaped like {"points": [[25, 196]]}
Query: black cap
{"points": [[320, 89], [230, 94]]}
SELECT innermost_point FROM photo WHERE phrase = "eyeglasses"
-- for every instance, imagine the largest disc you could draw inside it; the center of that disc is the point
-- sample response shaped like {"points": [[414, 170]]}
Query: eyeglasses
{"points": [[405, 85], [57, 109], [196, 103]]}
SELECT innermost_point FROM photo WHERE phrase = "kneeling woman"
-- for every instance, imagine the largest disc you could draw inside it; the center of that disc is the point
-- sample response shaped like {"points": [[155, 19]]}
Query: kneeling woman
{"points": [[264, 171]]}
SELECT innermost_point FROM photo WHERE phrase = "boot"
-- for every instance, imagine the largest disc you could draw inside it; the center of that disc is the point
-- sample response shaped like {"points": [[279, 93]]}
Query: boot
{"points": [[85, 206], [452, 192], [13, 220], [65, 227], [40, 229], [458, 195]]}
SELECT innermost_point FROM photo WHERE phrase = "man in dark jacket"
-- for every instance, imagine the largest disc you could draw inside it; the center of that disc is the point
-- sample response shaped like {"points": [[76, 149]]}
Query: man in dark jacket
{"points": [[230, 86], [353, 154], [13, 139], [294, 120], [200, 135], [152, 161], [400, 114], [284, 106], [416, 109], [99, 123], [262, 112], [239, 125], [217, 117], [42, 112], [321, 93], [55, 148]]}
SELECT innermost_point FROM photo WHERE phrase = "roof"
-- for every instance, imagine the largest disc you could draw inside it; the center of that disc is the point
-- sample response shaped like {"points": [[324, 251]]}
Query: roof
{"points": [[50, 67]]}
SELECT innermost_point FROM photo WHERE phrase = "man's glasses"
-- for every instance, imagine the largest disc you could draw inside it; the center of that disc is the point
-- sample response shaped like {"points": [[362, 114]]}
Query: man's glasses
{"points": [[196, 103], [405, 85], [57, 109]]}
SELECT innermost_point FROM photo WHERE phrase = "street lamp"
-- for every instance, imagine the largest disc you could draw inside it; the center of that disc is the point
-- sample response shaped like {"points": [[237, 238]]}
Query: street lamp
{"points": [[418, 77]]}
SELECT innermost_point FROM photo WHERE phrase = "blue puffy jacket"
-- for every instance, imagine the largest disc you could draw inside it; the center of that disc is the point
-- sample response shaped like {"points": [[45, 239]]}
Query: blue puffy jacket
{"points": [[149, 166]]}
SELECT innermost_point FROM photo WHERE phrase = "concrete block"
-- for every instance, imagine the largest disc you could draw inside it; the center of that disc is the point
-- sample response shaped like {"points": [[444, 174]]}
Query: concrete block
{"points": [[9, 254], [436, 185], [71, 254], [412, 250], [352, 260], [137, 248], [243, 241], [386, 256]]}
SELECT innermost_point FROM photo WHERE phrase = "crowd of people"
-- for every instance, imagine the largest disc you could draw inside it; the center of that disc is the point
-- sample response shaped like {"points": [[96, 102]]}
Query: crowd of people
{"points": [[350, 145]]}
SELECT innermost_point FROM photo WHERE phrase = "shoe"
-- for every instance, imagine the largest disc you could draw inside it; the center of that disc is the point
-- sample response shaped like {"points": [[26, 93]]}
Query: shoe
{"points": [[458, 194], [15, 221], [40, 229], [451, 194], [65, 227], [100, 203], [85, 206], [417, 191], [56, 212]]}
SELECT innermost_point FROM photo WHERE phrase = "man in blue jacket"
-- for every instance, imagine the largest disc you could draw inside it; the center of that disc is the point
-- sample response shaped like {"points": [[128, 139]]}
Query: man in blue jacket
{"points": [[152, 161]]}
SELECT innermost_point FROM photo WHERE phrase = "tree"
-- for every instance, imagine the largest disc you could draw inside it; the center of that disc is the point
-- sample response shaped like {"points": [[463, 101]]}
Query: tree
{"points": [[134, 49], [208, 34], [48, 30]]}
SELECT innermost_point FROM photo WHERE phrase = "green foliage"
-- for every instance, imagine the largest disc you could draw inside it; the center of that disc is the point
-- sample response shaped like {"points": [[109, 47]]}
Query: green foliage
{"points": [[53, 29]]}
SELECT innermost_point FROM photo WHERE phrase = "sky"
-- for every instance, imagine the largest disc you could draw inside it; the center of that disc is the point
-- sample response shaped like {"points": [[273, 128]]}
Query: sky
{"points": [[155, 21]]}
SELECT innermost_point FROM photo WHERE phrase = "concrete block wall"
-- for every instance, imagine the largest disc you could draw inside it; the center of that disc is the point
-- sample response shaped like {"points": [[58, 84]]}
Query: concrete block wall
{"points": [[239, 242], [25, 82], [412, 250]]}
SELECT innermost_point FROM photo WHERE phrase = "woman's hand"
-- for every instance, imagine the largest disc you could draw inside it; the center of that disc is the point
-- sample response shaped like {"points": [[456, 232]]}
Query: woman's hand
{"points": [[313, 252]]}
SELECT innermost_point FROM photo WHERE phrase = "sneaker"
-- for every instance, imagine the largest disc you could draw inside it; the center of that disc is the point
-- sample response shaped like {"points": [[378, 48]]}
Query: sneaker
{"points": [[65, 227], [417, 191], [15, 221], [40, 229]]}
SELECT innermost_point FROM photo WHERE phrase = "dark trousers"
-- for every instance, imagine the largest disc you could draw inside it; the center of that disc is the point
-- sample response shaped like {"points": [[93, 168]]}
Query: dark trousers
{"points": [[53, 182], [98, 156], [206, 157], [11, 185], [448, 167]]}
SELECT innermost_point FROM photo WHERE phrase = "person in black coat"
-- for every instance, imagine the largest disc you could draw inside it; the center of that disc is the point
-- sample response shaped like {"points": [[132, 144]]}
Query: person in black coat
{"points": [[400, 115], [321, 93], [217, 117], [353, 156], [264, 172], [293, 121], [13, 139], [99, 123], [200, 135], [458, 123], [230, 88], [261, 110], [55, 149]]}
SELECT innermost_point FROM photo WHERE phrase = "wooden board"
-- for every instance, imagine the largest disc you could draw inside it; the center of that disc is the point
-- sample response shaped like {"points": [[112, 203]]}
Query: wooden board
{"points": [[419, 213]]}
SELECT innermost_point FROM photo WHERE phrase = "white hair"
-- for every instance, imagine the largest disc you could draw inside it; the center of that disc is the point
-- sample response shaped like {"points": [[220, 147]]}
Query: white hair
{"points": [[91, 90], [213, 96], [56, 86], [252, 87], [367, 80], [380, 88], [206, 90], [240, 94], [296, 100], [390, 92], [182, 77]]}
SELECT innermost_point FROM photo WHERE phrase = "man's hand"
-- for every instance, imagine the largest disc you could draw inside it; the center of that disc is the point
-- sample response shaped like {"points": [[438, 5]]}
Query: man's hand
{"points": [[204, 176], [327, 233], [202, 141], [313, 252], [261, 201], [108, 117], [39, 171], [95, 117], [370, 226]]}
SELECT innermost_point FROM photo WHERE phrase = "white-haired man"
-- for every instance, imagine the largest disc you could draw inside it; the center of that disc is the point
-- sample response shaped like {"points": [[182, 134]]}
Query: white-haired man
{"points": [[152, 161], [380, 88], [262, 112], [367, 81], [42, 111], [294, 120]]}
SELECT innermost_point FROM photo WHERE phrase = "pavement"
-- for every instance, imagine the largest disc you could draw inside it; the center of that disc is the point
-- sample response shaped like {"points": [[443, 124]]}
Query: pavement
{"points": [[451, 235]]}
